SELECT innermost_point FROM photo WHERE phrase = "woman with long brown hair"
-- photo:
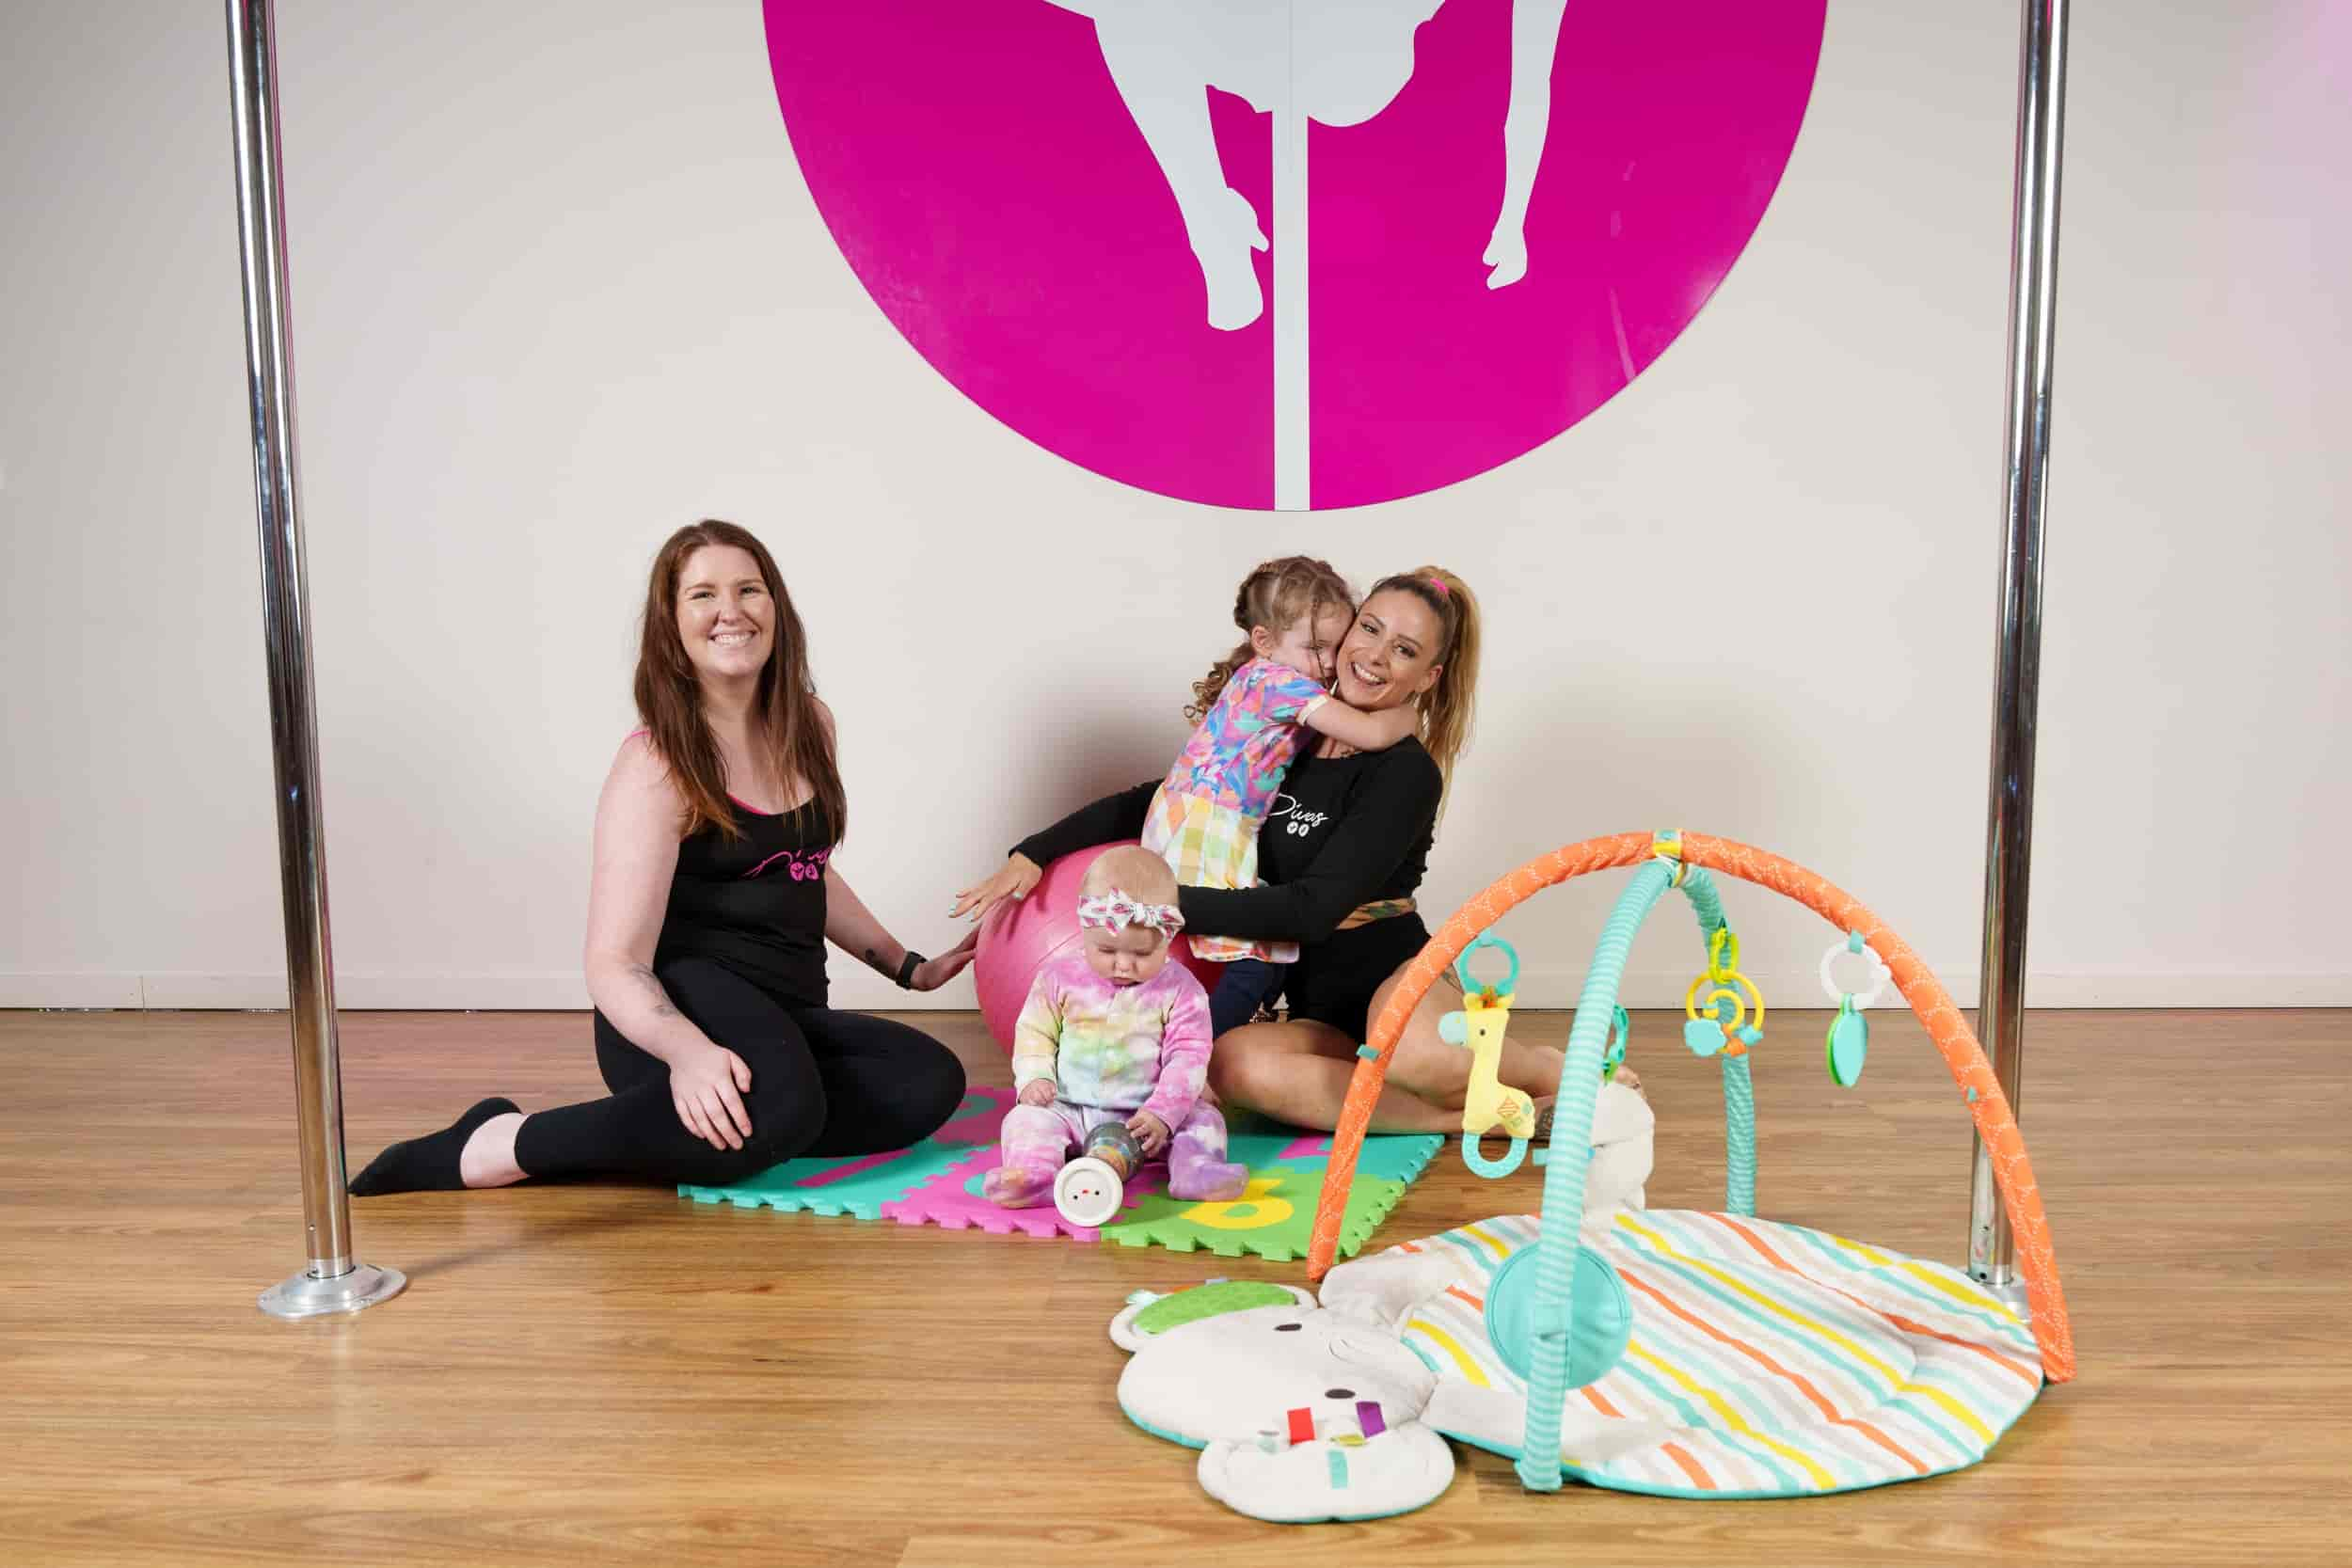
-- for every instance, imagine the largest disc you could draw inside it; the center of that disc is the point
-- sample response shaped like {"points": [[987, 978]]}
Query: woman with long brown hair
{"points": [[713, 895], [1340, 861]]}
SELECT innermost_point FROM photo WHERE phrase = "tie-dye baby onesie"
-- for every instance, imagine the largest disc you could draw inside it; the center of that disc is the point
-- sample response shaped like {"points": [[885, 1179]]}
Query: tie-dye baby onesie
{"points": [[1111, 1051]]}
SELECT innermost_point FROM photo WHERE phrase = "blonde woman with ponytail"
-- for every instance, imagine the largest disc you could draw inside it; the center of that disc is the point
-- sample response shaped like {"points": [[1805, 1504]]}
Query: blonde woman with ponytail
{"points": [[1339, 858]]}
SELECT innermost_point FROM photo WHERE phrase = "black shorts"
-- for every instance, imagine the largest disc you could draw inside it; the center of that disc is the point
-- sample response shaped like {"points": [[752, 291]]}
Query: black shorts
{"points": [[1332, 982]]}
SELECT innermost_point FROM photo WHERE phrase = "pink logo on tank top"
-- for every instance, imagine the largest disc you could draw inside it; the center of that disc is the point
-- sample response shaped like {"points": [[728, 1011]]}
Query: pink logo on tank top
{"points": [[1291, 253], [801, 865]]}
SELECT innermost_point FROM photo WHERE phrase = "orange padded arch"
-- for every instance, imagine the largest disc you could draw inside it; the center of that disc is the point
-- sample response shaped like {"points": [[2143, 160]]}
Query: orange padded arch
{"points": [[1929, 1000]]}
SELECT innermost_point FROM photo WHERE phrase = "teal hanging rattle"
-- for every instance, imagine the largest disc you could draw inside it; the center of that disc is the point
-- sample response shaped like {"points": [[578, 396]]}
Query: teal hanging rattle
{"points": [[1848, 1040], [1620, 1037], [1729, 1016]]}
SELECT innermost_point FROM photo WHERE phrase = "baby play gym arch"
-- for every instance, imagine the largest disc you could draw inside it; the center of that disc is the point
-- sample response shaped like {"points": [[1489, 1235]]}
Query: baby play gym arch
{"points": [[1667, 862]]}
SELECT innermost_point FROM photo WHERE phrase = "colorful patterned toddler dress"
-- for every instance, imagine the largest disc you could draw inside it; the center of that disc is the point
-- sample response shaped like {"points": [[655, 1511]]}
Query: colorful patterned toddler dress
{"points": [[1205, 819]]}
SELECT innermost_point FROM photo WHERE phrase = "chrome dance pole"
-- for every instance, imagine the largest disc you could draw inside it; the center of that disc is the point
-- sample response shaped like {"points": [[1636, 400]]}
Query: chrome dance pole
{"points": [[332, 1283], [2017, 678]]}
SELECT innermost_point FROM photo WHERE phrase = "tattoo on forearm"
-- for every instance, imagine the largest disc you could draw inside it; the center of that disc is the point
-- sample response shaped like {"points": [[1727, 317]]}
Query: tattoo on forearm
{"points": [[662, 1006], [873, 962]]}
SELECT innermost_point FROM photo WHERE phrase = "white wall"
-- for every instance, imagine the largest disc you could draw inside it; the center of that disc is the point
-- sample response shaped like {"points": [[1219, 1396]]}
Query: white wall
{"points": [[558, 288]]}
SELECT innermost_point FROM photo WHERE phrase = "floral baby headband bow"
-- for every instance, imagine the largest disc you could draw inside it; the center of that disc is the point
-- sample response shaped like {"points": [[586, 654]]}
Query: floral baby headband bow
{"points": [[1115, 911]]}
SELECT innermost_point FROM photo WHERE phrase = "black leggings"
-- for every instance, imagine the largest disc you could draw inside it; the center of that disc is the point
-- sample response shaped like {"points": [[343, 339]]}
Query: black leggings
{"points": [[822, 1083]]}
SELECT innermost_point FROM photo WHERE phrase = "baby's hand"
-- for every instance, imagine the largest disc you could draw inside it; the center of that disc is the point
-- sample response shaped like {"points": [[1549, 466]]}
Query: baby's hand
{"points": [[1039, 1091], [1150, 1134]]}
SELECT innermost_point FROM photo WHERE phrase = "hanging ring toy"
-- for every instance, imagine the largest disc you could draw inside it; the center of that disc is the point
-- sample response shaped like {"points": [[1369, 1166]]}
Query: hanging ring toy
{"points": [[1880, 977], [1731, 1017], [1848, 1042], [1470, 986], [1476, 1160], [1733, 1011]]}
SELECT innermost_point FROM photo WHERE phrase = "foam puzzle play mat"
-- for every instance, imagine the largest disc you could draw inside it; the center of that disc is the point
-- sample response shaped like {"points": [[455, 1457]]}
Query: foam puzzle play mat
{"points": [[1685, 1354], [938, 1183]]}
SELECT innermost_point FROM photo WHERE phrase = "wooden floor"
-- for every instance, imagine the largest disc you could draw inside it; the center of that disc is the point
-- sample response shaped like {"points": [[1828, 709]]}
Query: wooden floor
{"points": [[609, 1374]]}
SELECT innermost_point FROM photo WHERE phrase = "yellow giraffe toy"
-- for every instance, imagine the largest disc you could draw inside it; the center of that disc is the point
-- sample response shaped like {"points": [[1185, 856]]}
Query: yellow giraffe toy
{"points": [[1488, 1103]]}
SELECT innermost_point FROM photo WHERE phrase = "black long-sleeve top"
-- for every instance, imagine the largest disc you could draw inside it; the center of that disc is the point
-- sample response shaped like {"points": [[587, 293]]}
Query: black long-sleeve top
{"points": [[1345, 831]]}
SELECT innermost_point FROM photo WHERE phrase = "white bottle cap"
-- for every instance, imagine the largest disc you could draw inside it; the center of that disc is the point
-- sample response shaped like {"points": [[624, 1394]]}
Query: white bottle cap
{"points": [[1088, 1192]]}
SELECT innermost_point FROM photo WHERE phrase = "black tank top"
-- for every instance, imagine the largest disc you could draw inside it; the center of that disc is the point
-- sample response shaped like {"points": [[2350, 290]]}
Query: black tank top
{"points": [[755, 904]]}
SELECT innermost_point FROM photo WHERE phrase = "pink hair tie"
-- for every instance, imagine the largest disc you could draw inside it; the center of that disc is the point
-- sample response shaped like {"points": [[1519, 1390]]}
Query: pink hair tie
{"points": [[1438, 583]]}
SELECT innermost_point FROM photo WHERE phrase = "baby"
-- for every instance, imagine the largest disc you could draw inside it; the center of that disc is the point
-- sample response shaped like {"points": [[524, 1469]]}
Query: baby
{"points": [[1116, 1032]]}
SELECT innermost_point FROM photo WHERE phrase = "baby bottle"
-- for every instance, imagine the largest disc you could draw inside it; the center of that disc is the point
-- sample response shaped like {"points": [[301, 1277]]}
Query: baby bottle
{"points": [[1090, 1188]]}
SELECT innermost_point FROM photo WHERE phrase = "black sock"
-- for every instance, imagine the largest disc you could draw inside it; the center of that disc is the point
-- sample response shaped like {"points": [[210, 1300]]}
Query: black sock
{"points": [[426, 1165]]}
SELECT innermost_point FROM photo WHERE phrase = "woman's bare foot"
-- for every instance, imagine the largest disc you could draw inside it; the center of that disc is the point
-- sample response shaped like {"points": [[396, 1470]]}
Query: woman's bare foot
{"points": [[488, 1157]]}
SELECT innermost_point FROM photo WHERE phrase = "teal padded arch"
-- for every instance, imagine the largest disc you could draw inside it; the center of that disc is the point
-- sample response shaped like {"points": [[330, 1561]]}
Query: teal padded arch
{"points": [[1538, 1465]]}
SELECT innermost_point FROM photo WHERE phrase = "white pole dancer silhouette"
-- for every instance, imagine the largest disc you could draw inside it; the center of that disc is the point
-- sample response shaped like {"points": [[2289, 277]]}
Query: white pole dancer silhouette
{"points": [[1339, 62]]}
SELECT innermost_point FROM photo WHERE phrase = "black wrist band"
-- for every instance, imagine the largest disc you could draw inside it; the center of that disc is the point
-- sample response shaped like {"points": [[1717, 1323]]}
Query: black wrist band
{"points": [[907, 966]]}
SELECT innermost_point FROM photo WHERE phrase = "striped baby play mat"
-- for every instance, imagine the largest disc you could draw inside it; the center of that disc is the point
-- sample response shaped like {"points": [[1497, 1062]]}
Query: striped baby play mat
{"points": [[1765, 1360]]}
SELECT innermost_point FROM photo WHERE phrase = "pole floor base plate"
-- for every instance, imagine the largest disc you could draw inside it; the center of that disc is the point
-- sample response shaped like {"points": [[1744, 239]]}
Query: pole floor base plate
{"points": [[2010, 1292], [306, 1295]]}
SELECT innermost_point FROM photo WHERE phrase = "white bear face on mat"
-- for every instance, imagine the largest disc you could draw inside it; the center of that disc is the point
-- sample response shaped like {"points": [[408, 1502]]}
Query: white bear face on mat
{"points": [[1237, 1377], [1307, 1411], [1247, 1386]]}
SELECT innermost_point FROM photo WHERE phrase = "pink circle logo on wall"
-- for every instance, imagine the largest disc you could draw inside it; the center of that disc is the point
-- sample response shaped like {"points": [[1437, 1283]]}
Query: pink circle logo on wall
{"points": [[1292, 253]]}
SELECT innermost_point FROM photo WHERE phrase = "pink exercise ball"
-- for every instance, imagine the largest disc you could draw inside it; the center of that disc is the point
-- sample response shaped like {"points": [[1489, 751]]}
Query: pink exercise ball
{"points": [[1018, 939]]}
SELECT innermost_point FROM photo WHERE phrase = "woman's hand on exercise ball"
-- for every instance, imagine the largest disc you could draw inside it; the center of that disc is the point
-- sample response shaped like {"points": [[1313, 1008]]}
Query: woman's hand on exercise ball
{"points": [[708, 1088], [1020, 874], [931, 973]]}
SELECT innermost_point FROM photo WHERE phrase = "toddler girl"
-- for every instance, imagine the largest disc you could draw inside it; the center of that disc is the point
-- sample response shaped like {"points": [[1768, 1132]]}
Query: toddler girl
{"points": [[1253, 710], [1116, 1032]]}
